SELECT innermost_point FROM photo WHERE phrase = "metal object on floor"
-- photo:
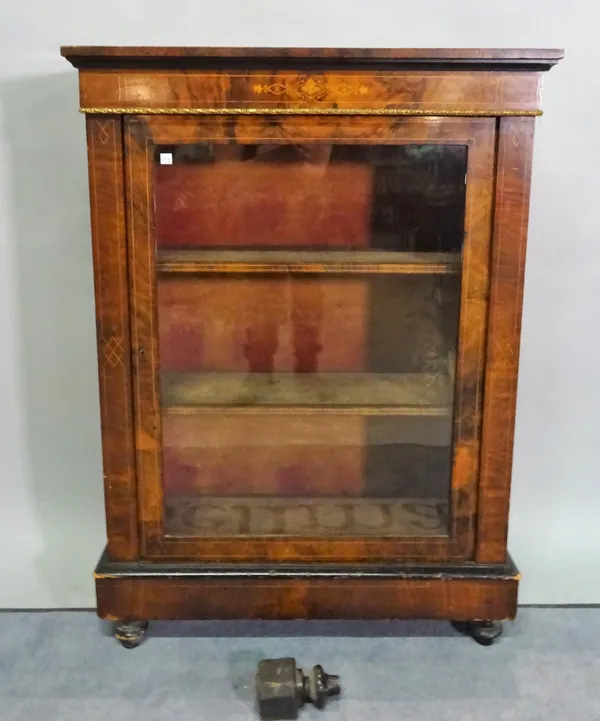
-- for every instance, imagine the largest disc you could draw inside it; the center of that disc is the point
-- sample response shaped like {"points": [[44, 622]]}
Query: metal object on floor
{"points": [[282, 688]]}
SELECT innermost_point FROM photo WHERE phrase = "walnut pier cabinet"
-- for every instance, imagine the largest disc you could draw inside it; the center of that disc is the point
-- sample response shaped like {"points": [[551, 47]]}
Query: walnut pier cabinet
{"points": [[308, 275]]}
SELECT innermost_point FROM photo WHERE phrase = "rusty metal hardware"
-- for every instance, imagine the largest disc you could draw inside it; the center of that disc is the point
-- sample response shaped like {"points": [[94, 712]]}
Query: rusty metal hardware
{"points": [[282, 688]]}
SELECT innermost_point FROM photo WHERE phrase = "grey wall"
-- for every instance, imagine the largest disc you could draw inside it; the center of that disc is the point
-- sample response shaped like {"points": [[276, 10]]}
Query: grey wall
{"points": [[51, 510]]}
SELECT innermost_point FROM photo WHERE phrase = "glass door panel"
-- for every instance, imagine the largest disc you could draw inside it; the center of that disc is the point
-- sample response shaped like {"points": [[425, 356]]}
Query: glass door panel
{"points": [[308, 300]]}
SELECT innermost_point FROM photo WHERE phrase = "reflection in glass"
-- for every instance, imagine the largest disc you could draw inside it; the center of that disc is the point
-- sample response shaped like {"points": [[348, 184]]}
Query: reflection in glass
{"points": [[385, 197], [308, 299]]}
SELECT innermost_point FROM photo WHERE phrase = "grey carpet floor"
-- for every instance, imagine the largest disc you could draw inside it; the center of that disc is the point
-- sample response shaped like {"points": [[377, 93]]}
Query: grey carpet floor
{"points": [[65, 665]]}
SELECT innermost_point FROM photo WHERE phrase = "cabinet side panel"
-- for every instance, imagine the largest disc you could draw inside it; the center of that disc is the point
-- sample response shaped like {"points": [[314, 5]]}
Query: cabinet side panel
{"points": [[508, 265], [105, 159]]}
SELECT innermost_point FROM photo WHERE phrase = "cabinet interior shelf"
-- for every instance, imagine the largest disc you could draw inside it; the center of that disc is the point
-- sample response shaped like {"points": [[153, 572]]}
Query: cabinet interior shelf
{"points": [[416, 394], [306, 261]]}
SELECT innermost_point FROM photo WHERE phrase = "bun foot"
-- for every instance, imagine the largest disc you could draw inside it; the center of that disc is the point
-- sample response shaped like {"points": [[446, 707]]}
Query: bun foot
{"points": [[484, 632], [131, 633]]}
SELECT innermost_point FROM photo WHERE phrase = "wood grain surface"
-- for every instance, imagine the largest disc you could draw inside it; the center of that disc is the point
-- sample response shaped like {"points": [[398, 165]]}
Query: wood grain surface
{"points": [[139, 98], [142, 135], [107, 197], [367, 598], [461, 92], [515, 150], [186, 57]]}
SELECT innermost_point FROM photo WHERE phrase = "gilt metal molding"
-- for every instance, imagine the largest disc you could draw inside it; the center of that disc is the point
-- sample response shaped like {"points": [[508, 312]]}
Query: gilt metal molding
{"points": [[309, 111]]}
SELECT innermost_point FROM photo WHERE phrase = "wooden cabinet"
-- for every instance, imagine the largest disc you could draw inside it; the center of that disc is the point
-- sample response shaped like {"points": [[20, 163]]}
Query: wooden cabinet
{"points": [[308, 272]]}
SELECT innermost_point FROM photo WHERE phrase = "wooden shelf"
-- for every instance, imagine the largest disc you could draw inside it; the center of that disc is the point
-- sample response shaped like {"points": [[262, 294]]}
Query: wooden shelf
{"points": [[306, 261], [417, 394]]}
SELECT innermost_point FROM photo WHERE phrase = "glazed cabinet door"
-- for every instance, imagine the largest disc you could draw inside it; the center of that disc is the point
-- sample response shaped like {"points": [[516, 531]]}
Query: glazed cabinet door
{"points": [[309, 304]]}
